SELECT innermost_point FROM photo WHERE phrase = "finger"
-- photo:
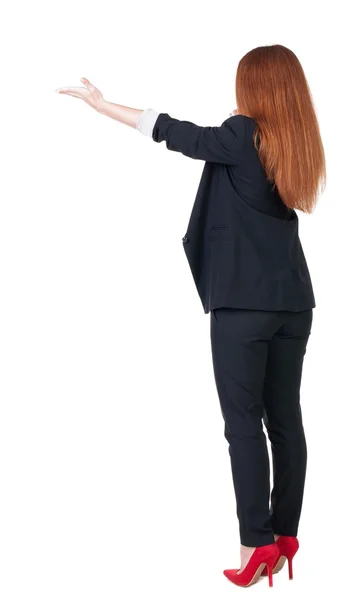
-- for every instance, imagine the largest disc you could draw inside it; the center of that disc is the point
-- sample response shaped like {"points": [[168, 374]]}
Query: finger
{"points": [[68, 90], [74, 94], [88, 84]]}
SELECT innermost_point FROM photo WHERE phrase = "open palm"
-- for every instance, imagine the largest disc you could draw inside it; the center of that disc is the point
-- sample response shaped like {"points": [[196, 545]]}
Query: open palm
{"points": [[89, 94]]}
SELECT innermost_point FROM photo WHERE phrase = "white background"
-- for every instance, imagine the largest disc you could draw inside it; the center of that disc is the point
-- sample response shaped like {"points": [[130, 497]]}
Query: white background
{"points": [[115, 477]]}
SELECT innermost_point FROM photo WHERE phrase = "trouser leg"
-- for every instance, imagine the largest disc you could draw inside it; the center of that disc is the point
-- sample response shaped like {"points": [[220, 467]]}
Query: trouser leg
{"points": [[239, 341], [283, 420]]}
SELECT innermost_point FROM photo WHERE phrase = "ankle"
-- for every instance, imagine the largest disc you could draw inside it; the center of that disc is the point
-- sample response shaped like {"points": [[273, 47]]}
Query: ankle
{"points": [[245, 555], [247, 550]]}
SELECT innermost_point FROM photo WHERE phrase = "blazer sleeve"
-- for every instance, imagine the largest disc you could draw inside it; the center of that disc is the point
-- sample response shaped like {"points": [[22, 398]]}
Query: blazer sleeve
{"points": [[219, 144]]}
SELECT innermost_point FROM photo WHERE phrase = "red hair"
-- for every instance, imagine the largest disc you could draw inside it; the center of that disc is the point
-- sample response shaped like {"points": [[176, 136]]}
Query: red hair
{"points": [[271, 88]]}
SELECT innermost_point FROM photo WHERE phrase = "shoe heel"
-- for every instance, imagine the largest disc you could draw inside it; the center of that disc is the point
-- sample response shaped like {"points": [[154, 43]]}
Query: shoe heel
{"points": [[270, 576], [290, 565]]}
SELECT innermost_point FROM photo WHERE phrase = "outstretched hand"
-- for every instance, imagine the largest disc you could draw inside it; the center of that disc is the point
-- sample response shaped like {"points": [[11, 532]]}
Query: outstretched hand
{"points": [[89, 94]]}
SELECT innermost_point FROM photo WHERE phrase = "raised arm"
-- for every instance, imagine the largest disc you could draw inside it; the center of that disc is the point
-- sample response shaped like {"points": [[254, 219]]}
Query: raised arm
{"points": [[221, 144], [92, 96]]}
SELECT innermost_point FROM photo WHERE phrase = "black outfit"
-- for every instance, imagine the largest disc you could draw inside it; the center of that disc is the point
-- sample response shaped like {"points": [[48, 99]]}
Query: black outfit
{"points": [[242, 242], [257, 359], [245, 255]]}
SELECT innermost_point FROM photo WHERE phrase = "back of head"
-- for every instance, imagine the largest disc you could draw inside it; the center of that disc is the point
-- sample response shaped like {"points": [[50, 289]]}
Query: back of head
{"points": [[271, 88]]}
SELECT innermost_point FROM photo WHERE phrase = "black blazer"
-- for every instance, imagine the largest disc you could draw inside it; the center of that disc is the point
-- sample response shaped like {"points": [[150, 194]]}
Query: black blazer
{"points": [[242, 242]]}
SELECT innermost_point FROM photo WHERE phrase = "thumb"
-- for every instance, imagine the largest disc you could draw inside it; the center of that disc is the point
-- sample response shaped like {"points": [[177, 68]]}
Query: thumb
{"points": [[88, 84]]}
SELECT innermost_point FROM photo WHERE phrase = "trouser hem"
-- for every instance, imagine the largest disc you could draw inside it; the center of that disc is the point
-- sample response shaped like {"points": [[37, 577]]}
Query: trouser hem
{"points": [[283, 531], [254, 540]]}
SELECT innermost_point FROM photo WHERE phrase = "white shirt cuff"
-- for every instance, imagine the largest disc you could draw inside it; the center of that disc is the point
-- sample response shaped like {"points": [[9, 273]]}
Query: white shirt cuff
{"points": [[146, 121]]}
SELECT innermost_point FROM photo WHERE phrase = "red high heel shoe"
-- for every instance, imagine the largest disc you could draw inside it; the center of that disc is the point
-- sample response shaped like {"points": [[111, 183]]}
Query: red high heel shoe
{"points": [[288, 547], [262, 557]]}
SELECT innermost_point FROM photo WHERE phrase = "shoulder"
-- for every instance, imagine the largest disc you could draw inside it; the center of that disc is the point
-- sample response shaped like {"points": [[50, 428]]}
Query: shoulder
{"points": [[239, 122], [241, 128], [241, 125]]}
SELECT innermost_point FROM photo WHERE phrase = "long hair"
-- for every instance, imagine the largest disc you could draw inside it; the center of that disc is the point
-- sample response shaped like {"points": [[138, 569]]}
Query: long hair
{"points": [[272, 89]]}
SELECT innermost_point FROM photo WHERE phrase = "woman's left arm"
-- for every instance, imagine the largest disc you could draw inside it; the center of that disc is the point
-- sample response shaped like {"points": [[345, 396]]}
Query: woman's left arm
{"points": [[220, 144], [92, 96]]}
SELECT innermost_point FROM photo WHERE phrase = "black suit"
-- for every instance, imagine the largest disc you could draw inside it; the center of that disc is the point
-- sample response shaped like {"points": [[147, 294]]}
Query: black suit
{"points": [[243, 248], [242, 242]]}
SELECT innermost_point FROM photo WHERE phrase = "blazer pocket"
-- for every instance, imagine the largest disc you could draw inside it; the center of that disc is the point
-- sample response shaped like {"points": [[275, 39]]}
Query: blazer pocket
{"points": [[219, 232], [219, 227]]}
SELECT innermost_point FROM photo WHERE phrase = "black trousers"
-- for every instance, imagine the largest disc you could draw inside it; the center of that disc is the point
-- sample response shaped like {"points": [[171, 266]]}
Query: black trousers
{"points": [[257, 360]]}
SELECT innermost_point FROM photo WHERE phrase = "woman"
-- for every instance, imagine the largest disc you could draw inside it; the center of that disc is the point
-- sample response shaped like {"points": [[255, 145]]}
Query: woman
{"points": [[242, 244]]}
